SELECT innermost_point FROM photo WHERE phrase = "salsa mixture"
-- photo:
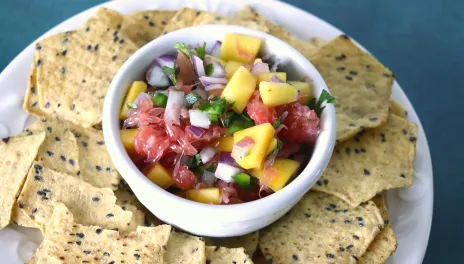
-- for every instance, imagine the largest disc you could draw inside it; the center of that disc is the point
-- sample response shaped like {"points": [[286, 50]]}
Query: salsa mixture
{"points": [[220, 127]]}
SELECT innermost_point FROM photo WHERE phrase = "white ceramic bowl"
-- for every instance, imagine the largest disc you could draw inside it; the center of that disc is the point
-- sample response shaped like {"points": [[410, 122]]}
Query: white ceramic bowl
{"points": [[205, 219]]}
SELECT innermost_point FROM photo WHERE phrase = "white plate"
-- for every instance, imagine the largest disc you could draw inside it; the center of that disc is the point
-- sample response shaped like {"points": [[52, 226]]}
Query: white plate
{"points": [[410, 208]]}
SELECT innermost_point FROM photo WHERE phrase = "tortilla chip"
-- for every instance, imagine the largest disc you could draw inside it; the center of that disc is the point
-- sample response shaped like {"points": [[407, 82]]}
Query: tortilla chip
{"points": [[74, 69], [44, 188], [249, 242], [144, 26], [212, 18], [361, 85], [373, 161], [70, 242], [183, 248], [31, 99], [385, 242], [20, 219], [321, 229], [59, 152], [397, 109], [305, 48], [94, 161], [182, 19], [17, 156], [222, 255]]}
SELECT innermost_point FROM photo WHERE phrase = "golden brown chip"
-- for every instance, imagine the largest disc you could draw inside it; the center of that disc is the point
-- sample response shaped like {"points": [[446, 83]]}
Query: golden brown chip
{"points": [[223, 255], [373, 161], [385, 242], [321, 229], [182, 19], [212, 18], [18, 154], [74, 69], [45, 188], [69, 242], [144, 26], [361, 85], [397, 109], [249, 242]]}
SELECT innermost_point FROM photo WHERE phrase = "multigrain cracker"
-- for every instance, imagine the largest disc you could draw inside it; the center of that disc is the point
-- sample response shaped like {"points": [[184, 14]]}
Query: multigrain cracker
{"points": [[360, 83], [321, 229], [18, 154], [373, 161], [144, 26], [71, 242]]}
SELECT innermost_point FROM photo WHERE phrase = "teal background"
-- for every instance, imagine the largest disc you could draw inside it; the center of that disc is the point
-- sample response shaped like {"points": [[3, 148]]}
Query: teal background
{"points": [[420, 40]]}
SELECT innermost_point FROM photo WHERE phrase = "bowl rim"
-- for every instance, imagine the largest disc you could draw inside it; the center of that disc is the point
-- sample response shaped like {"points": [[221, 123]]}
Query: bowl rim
{"points": [[267, 205]]}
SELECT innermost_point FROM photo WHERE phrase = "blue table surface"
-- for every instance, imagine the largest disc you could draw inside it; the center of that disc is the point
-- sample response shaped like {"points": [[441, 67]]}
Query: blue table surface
{"points": [[420, 40]]}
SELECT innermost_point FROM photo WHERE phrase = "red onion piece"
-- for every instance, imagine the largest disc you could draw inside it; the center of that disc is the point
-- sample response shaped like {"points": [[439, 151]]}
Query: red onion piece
{"points": [[201, 92], [156, 77], [276, 79], [140, 97], [198, 66], [216, 49], [212, 80], [259, 68], [198, 132], [208, 178], [226, 157], [207, 154], [176, 101], [225, 172], [214, 87], [166, 60]]}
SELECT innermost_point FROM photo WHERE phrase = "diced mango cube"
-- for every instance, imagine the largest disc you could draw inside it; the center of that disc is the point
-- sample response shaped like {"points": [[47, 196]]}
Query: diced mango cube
{"points": [[222, 62], [205, 195], [158, 175], [240, 88], [304, 89], [272, 146], [127, 138], [136, 88], [274, 94], [224, 144], [239, 48], [262, 136], [266, 77], [286, 168], [231, 67]]}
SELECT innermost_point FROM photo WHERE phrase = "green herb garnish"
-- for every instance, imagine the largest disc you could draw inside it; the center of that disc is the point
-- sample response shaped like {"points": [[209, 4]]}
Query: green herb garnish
{"points": [[192, 98], [277, 123], [324, 97], [243, 180], [182, 48], [201, 51], [236, 122], [210, 168], [215, 108], [209, 69], [171, 72], [159, 100], [131, 105]]}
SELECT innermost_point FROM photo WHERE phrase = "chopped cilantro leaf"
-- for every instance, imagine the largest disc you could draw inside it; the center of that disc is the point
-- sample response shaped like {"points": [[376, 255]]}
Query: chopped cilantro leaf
{"points": [[324, 97], [209, 69], [131, 105], [201, 51], [210, 168], [277, 123], [182, 48], [171, 72]]}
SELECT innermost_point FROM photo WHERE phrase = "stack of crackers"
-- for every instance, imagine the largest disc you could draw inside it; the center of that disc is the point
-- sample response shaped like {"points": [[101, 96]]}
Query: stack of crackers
{"points": [[57, 175]]}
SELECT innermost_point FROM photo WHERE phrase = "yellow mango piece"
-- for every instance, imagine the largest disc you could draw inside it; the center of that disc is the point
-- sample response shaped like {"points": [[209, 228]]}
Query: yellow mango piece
{"points": [[158, 175], [239, 48], [222, 62], [136, 88], [262, 136], [205, 195], [304, 89], [127, 138], [266, 77], [239, 89], [286, 168], [274, 94], [231, 67], [224, 144], [272, 146]]}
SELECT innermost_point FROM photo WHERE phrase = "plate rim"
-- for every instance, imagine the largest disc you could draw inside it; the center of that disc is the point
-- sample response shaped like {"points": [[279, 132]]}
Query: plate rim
{"points": [[82, 15]]}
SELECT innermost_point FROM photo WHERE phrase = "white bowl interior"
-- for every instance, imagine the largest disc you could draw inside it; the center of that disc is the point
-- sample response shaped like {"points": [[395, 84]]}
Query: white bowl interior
{"points": [[173, 209]]}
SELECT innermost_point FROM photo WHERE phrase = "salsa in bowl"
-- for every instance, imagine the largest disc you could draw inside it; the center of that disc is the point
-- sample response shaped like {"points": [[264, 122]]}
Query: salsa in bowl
{"points": [[220, 126], [250, 208]]}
